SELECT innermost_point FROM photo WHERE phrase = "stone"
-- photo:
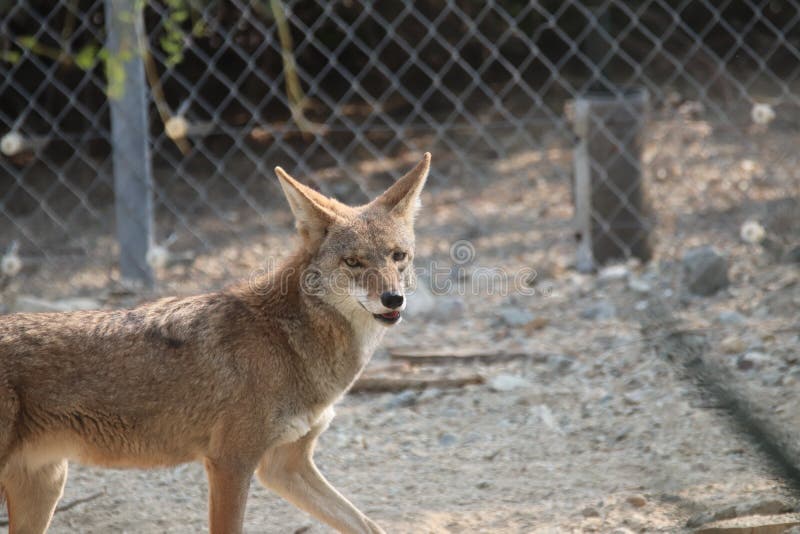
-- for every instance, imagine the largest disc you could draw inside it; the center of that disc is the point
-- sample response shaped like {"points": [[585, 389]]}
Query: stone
{"points": [[590, 512], [613, 273], [403, 399], [639, 285], [792, 255], [752, 360], [561, 363], [545, 415], [637, 501], [446, 440], [730, 317], [600, 310], [634, 398], [705, 271], [515, 317], [429, 394], [733, 345], [505, 382]]}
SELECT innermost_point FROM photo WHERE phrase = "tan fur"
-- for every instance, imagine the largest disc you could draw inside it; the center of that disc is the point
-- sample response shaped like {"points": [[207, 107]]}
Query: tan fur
{"points": [[243, 380]]}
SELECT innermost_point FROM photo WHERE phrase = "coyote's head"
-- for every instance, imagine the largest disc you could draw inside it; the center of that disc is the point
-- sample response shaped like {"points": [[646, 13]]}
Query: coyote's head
{"points": [[360, 256]]}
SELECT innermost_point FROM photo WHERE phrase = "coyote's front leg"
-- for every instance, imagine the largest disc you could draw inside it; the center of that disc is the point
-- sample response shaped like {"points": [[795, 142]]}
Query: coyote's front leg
{"points": [[228, 483], [289, 471]]}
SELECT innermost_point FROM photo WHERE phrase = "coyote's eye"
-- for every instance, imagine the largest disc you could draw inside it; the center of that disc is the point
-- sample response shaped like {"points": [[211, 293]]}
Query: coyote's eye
{"points": [[352, 262], [399, 256]]}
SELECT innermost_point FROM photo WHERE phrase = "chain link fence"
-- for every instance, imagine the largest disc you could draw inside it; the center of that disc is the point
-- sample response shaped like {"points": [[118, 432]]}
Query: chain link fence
{"points": [[652, 143], [346, 95]]}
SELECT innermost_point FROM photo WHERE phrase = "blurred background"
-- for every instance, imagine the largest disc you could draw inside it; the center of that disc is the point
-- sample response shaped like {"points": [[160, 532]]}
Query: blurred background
{"points": [[607, 175]]}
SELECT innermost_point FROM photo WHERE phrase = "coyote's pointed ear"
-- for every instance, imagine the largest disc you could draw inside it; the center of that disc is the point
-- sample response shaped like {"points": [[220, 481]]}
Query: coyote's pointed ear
{"points": [[312, 214], [402, 198]]}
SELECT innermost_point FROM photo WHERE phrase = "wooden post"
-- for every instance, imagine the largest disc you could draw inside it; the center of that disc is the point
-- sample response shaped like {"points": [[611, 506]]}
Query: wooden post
{"points": [[611, 215], [133, 181]]}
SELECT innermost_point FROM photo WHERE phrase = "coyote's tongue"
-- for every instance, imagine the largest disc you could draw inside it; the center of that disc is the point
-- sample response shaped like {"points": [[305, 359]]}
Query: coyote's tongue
{"points": [[391, 315]]}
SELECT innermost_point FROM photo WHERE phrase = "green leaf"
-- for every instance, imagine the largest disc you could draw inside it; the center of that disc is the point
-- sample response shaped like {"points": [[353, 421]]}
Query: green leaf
{"points": [[86, 58], [10, 56], [115, 77], [27, 41]]}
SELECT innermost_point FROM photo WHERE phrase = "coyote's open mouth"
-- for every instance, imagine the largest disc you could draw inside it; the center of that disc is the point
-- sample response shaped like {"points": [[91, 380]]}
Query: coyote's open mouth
{"points": [[391, 317]]}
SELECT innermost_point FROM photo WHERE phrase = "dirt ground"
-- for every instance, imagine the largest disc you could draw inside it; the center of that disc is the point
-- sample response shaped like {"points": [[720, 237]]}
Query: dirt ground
{"points": [[590, 432]]}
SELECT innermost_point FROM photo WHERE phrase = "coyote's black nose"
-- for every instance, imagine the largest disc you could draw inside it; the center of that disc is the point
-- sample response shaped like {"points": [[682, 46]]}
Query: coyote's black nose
{"points": [[392, 300]]}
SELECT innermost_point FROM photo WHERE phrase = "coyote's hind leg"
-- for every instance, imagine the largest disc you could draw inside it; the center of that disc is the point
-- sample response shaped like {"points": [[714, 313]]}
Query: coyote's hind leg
{"points": [[9, 414], [32, 495]]}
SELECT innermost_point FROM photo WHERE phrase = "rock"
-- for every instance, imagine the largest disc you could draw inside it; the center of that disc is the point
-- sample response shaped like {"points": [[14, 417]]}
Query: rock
{"points": [[505, 382], [730, 317], [31, 304], [613, 273], [637, 501], [634, 398], [483, 485], [561, 363], [705, 271], [429, 394], [403, 399], [515, 317], [536, 324], [639, 285], [733, 345], [752, 360], [446, 440], [601, 310], [592, 524], [792, 255], [590, 512], [545, 415]]}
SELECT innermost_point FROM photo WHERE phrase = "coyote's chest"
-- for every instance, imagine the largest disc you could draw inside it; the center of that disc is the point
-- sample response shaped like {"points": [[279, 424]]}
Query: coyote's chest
{"points": [[366, 337]]}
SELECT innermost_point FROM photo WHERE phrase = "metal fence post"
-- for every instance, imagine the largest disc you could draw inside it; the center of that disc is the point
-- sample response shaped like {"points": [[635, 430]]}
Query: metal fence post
{"points": [[133, 181], [610, 210]]}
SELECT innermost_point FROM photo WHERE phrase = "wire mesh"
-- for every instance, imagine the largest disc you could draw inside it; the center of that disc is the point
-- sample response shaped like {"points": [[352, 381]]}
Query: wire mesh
{"points": [[345, 94]]}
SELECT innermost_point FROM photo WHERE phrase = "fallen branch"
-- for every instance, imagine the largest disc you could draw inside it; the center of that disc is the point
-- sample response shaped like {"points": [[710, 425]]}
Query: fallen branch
{"points": [[377, 384], [399, 367], [450, 356], [65, 506]]}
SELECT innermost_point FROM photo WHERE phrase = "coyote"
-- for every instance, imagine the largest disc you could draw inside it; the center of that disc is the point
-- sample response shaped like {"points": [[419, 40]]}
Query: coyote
{"points": [[244, 379]]}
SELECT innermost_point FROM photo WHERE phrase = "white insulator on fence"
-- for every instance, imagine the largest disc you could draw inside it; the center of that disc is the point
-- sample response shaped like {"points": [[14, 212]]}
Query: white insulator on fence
{"points": [[176, 127], [158, 256], [179, 127], [762, 113], [11, 263], [12, 143]]}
